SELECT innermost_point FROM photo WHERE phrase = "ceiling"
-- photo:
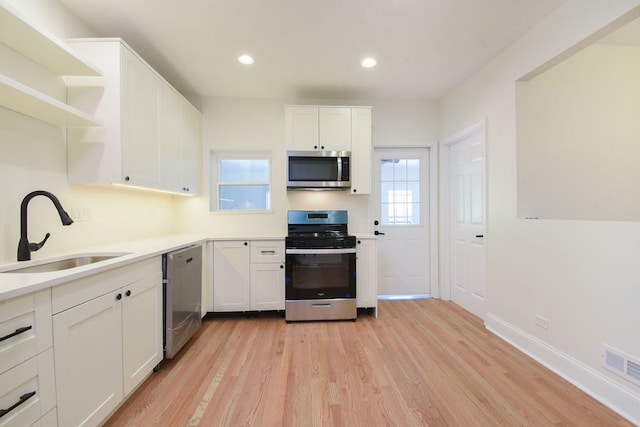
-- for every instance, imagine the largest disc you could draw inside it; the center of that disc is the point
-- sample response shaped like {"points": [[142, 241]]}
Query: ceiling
{"points": [[313, 48]]}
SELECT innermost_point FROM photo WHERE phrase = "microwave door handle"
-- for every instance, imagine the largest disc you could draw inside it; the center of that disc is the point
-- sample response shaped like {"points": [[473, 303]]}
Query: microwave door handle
{"points": [[339, 159]]}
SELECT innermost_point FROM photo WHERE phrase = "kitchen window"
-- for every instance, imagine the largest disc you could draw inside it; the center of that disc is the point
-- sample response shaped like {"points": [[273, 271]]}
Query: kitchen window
{"points": [[240, 182]]}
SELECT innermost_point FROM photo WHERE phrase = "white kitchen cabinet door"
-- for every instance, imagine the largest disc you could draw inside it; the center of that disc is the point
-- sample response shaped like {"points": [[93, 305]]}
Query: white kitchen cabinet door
{"points": [[267, 286], [361, 151], [170, 139], [179, 143], [231, 275], [88, 360], [334, 125], [140, 123], [366, 273], [141, 329], [301, 127], [191, 144]]}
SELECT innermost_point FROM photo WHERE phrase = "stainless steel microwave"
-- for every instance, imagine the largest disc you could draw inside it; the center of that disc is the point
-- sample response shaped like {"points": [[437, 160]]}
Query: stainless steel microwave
{"points": [[327, 170]]}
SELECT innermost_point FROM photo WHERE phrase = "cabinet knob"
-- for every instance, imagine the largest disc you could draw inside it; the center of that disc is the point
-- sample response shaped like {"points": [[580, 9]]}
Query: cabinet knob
{"points": [[355, 190], [322, 147], [315, 147], [281, 266], [119, 297], [246, 243], [126, 178], [128, 293], [359, 242]]}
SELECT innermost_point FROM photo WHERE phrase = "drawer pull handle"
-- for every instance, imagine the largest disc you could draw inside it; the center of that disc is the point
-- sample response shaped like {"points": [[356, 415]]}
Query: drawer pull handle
{"points": [[23, 399], [267, 252], [17, 332]]}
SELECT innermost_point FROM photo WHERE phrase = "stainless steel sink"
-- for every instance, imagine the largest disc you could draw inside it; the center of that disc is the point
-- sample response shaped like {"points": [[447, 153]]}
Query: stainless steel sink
{"points": [[64, 263]]}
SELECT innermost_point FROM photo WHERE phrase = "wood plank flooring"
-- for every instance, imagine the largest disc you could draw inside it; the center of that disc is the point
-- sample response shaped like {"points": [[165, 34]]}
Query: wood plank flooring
{"points": [[420, 363]]}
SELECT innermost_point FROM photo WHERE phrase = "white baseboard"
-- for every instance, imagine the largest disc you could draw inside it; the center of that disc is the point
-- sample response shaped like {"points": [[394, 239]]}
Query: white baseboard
{"points": [[620, 399]]}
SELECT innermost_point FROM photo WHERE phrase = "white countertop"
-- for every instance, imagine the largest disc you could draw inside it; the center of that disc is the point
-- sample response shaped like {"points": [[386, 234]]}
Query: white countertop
{"points": [[15, 284]]}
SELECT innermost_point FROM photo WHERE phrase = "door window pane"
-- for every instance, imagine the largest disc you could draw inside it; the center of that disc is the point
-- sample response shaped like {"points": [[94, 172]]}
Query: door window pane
{"points": [[400, 202]]}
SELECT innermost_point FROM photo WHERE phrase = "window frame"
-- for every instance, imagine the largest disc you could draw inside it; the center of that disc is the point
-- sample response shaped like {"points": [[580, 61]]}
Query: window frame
{"points": [[215, 171]]}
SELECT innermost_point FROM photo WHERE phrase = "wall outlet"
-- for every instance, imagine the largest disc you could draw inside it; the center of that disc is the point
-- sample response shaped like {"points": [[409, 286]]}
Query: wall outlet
{"points": [[79, 214], [542, 322]]}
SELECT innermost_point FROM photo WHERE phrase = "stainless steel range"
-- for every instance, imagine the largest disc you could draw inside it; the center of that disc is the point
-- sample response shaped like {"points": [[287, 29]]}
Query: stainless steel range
{"points": [[320, 267]]}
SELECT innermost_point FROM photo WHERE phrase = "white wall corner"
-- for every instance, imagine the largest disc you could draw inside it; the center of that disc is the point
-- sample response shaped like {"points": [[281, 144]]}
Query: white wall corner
{"points": [[620, 399]]}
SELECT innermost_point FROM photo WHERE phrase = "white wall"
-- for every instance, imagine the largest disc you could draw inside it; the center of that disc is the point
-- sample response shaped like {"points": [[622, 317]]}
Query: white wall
{"points": [[581, 275], [578, 137], [33, 157], [250, 125]]}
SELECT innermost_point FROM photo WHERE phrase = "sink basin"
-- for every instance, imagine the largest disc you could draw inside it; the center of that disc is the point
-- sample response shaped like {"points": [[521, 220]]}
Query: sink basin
{"points": [[64, 263]]}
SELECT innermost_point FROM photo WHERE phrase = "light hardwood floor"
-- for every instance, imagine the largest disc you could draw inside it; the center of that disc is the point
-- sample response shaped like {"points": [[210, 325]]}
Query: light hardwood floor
{"points": [[421, 362]]}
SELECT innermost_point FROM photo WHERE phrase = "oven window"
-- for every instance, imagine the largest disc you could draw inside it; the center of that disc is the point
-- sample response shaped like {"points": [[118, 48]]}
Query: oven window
{"points": [[320, 276], [317, 271]]}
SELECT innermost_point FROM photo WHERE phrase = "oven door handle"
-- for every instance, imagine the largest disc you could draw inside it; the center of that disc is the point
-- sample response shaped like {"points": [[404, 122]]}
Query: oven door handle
{"points": [[320, 251]]}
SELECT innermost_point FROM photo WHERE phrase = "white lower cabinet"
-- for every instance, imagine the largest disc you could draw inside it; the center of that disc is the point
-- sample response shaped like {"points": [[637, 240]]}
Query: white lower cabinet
{"points": [[105, 346], [231, 275], [267, 275], [28, 391], [366, 274], [27, 382], [248, 275]]}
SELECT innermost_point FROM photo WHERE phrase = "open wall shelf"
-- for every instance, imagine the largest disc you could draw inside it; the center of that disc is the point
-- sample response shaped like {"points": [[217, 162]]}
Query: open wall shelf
{"points": [[36, 44]]}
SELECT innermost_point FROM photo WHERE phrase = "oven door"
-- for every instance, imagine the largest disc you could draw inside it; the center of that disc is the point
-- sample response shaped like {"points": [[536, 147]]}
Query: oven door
{"points": [[320, 273]]}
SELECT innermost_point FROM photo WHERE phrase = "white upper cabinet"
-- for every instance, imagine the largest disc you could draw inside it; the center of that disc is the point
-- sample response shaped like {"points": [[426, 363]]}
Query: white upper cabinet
{"points": [[29, 41], [191, 147], [317, 128], [310, 127], [140, 122], [151, 136], [361, 150], [179, 143], [334, 128], [301, 128]]}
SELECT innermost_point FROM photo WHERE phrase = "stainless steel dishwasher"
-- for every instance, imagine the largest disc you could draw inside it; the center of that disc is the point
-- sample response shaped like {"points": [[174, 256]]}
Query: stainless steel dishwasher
{"points": [[182, 297]]}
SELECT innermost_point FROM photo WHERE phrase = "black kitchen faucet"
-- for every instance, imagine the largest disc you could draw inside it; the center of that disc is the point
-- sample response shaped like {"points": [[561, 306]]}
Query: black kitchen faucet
{"points": [[24, 247]]}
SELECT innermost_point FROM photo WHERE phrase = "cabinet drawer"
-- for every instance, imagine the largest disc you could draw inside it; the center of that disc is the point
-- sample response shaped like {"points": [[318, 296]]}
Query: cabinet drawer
{"points": [[263, 251], [30, 389], [25, 328], [78, 291]]}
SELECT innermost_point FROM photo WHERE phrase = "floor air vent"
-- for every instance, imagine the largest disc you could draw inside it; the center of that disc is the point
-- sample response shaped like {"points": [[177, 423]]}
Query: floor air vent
{"points": [[622, 364]]}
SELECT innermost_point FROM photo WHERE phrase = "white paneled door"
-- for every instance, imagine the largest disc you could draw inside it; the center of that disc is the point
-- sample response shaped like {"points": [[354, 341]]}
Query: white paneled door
{"points": [[403, 218], [467, 221]]}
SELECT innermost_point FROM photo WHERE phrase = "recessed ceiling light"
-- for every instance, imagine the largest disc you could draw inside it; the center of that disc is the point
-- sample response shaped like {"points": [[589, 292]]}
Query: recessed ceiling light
{"points": [[368, 62], [245, 59]]}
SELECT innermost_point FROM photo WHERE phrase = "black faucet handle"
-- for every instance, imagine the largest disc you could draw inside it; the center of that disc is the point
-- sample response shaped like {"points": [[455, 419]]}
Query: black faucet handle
{"points": [[35, 246]]}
